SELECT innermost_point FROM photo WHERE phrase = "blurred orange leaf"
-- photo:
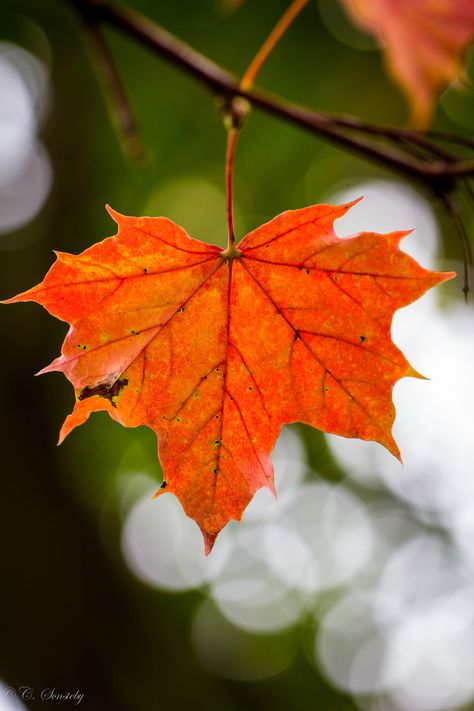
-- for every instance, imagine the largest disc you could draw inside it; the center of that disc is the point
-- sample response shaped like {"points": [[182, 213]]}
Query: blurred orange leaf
{"points": [[216, 353], [425, 42]]}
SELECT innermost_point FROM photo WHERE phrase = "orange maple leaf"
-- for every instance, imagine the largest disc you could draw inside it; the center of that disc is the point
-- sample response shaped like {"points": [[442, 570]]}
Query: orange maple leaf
{"points": [[424, 40], [216, 353]]}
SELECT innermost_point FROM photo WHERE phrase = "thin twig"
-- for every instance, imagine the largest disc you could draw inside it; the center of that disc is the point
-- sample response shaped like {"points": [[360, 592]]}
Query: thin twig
{"points": [[451, 138], [356, 124], [454, 210], [413, 147], [430, 147], [333, 128], [469, 190], [118, 103], [273, 38]]}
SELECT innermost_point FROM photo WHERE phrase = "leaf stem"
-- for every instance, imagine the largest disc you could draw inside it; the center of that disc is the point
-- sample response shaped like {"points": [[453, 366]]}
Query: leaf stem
{"points": [[232, 134], [290, 14], [236, 109]]}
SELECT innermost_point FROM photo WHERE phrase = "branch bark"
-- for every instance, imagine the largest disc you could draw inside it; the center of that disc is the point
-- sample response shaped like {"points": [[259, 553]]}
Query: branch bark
{"points": [[119, 106], [436, 171]]}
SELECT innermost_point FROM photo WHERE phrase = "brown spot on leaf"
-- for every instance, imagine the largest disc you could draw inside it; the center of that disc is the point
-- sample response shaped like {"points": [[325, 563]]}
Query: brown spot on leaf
{"points": [[107, 390]]}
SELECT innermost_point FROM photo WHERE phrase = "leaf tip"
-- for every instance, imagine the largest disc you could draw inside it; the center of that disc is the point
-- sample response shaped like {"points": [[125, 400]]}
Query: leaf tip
{"points": [[390, 444], [12, 300], [22, 296], [415, 374], [352, 203], [209, 540], [446, 276], [160, 491], [397, 236], [67, 427], [116, 216], [393, 449], [52, 367], [59, 253], [271, 486], [401, 234]]}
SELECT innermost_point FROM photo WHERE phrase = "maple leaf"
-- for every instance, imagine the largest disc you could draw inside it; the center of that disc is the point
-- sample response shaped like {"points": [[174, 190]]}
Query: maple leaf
{"points": [[216, 352], [424, 40]]}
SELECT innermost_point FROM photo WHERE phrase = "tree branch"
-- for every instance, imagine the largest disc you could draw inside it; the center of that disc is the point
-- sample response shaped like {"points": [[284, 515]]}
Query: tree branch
{"points": [[119, 106], [453, 208], [434, 170]]}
